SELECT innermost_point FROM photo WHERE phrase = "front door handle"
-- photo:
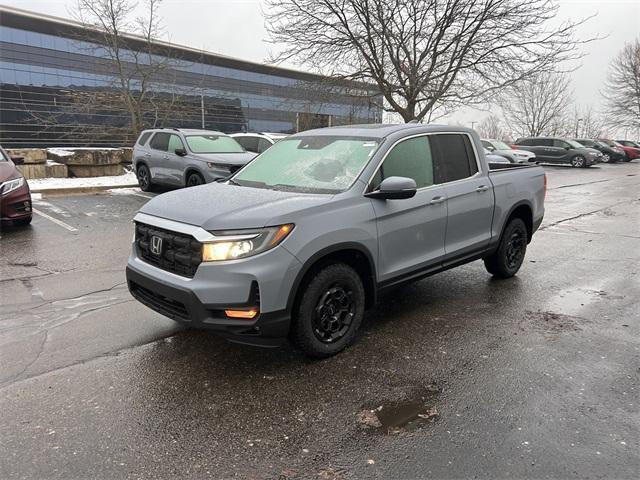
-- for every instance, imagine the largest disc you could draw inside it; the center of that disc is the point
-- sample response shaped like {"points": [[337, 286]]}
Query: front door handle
{"points": [[436, 200], [482, 188]]}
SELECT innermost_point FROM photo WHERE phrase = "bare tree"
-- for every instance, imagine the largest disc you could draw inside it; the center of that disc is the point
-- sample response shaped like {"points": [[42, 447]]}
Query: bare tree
{"points": [[425, 56], [135, 66], [585, 122], [622, 89], [491, 127], [538, 105]]}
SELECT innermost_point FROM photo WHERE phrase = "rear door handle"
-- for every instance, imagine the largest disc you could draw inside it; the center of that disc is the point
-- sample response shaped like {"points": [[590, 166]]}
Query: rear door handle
{"points": [[482, 188], [437, 200]]}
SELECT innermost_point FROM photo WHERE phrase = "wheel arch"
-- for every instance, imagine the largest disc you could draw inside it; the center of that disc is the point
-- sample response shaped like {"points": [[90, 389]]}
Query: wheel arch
{"points": [[353, 254], [524, 211], [189, 170]]}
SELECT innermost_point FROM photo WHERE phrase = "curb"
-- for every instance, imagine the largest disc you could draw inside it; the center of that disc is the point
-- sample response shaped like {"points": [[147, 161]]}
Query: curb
{"points": [[79, 190]]}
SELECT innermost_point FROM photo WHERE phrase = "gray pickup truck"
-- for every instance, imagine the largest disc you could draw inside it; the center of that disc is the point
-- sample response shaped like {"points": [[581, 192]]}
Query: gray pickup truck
{"points": [[300, 241]]}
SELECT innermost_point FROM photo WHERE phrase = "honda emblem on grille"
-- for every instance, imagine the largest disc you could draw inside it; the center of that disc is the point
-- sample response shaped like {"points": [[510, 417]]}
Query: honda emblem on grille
{"points": [[156, 245]]}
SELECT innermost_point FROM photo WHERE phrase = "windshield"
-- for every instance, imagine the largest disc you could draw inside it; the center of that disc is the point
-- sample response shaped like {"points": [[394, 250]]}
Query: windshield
{"points": [[574, 144], [322, 164], [3, 156], [501, 146], [213, 144]]}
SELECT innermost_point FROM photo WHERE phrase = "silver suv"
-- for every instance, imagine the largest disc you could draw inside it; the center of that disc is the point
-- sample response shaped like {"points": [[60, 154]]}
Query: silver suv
{"points": [[181, 157]]}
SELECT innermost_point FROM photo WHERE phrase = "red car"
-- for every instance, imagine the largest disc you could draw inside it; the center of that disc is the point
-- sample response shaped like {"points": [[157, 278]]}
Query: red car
{"points": [[15, 196], [631, 148], [630, 152]]}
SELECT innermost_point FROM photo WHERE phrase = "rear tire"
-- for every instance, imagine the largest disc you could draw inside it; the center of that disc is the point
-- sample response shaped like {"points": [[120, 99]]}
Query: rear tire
{"points": [[329, 312], [507, 259], [144, 178]]}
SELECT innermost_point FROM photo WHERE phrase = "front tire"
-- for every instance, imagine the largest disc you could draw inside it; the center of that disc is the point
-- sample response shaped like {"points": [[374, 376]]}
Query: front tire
{"points": [[194, 179], [578, 161], [329, 312], [507, 259]]}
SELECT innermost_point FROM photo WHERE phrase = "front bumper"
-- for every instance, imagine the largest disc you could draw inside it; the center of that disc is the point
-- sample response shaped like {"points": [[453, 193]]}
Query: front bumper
{"points": [[263, 281], [16, 205]]}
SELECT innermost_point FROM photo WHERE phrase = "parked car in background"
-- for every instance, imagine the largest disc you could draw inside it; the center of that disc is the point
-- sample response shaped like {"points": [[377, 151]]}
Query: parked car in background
{"points": [[15, 196], [609, 154], [629, 152], [491, 158], [300, 241], [514, 155], [184, 157], [559, 150], [257, 142], [632, 149]]}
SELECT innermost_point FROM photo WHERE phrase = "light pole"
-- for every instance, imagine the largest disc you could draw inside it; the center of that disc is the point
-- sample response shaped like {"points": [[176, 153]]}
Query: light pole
{"points": [[577, 123]]}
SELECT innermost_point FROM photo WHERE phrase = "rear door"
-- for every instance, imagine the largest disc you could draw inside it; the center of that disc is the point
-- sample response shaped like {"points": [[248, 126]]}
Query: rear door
{"points": [[470, 197], [410, 231], [157, 157]]}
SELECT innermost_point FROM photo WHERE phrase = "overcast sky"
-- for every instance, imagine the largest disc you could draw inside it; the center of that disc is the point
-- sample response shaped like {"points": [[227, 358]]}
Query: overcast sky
{"points": [[236, 28]]}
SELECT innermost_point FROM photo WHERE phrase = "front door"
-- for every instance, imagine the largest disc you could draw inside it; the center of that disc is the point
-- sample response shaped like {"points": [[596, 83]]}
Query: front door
{"points": [[410, 231]]}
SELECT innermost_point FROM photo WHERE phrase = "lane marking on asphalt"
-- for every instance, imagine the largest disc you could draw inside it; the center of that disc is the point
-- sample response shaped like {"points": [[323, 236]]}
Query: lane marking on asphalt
{"points": [[55, 220], [149, 197]]}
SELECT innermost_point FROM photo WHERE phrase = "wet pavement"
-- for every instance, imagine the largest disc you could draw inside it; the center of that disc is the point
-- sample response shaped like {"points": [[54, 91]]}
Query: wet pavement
{"points": [[458, 375]]}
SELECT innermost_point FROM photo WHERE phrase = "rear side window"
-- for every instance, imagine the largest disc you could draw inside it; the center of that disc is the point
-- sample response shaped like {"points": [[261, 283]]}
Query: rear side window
{"points": [[410, 158], [454, 158], [143, 138], [160, 141]]}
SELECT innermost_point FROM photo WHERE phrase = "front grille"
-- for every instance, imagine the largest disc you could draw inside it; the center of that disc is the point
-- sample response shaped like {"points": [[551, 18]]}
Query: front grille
{"points": [[164, 305], [180, 253]]}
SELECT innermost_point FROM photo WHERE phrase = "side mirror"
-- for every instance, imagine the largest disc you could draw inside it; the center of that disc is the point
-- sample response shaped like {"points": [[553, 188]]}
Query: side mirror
{"points": [[18, 160], [394, 188], [568, 147], [491, 148], [181, 152]]}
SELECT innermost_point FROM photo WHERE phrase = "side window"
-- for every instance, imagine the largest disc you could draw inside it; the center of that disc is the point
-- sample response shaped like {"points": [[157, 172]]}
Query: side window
{"points": [[526, 142], [545, 142], [410, 158], [263, 145], [560, 144], [174, 143], [454, 158], [143, 138], [160, 141], [249, 143]]}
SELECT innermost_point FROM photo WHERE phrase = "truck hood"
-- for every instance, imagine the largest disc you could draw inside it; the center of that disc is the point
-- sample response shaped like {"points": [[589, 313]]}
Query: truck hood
{"points": [[219, 206], [227, 158]]}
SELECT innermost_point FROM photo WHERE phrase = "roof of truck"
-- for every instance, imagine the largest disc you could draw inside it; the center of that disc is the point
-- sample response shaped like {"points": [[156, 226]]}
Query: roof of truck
{"points": [[381, 130]]}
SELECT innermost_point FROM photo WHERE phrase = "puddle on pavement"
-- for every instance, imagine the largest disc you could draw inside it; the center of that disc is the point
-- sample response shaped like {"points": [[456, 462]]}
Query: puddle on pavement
{"points": [[396, 417]]}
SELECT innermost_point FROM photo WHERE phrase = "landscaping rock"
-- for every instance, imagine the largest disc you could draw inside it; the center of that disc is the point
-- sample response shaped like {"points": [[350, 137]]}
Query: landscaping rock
{"points": [[43, 170], [95, 170], [30, 155], [87, 156]]}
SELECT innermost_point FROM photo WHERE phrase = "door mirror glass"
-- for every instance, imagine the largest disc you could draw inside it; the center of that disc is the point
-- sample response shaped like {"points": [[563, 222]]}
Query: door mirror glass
{"points": [[181, 152], [394, 188]]}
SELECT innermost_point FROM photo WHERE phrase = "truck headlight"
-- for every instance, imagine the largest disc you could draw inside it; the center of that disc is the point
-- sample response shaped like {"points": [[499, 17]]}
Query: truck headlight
{"points": [[11, 185], [244, 243]]}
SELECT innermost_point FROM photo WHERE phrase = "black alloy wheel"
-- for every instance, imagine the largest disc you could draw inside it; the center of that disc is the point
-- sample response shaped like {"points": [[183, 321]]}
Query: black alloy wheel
{"points": [[144, 178], [334, 313]]}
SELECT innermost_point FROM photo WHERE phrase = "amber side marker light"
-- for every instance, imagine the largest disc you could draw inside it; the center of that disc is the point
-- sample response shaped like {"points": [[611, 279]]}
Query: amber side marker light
{"points": [[245, 314]]}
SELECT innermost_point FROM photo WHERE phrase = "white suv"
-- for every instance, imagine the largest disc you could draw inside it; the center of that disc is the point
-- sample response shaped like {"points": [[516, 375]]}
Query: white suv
{"points": [[257, 142]]}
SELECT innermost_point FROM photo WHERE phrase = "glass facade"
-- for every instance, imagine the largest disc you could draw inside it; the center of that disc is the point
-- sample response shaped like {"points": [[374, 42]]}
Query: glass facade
{"points": [[57, 88]]}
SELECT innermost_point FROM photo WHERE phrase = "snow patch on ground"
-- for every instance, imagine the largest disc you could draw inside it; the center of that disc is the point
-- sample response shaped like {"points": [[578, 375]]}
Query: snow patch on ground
{"points": [[60, 152], [42, 184]]}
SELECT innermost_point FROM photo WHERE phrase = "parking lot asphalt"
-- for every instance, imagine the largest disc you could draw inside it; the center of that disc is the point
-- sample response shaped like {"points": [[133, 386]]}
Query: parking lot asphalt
{"points": [[536, 376]]}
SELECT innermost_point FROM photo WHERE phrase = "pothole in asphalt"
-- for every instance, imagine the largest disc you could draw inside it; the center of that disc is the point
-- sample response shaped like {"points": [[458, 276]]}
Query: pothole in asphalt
{"points": [[398, 416], [551, 322]]}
